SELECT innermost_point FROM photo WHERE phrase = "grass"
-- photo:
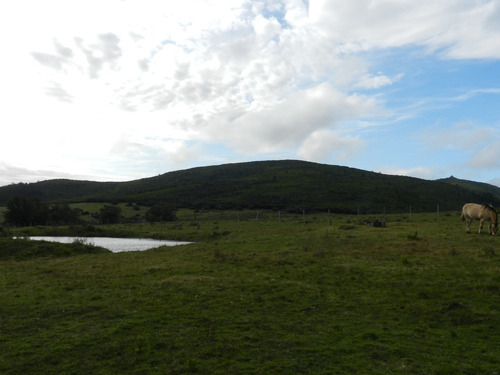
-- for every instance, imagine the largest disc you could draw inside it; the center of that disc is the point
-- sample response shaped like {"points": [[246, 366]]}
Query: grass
{"points": [[22, 249], [260, 297]]}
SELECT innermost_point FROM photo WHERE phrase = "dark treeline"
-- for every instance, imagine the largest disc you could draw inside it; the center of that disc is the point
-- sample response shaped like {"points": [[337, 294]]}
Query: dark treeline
{"points": [[28, 211]]}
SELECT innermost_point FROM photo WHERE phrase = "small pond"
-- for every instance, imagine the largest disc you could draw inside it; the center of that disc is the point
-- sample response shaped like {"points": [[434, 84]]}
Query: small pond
{"points": [[116, 245]]}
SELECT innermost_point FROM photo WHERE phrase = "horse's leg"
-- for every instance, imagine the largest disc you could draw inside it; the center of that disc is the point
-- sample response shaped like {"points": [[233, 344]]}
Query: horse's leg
{"points": [[467, 222], [480, 225]]}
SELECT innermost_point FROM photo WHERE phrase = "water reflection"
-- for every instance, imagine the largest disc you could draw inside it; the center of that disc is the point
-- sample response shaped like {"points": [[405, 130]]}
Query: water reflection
{"points": [[116, 245]]}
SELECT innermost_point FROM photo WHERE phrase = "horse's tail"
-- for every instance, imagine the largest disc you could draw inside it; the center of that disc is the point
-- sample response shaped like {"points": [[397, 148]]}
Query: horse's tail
{"points": [[465, 210], [462, 216]]}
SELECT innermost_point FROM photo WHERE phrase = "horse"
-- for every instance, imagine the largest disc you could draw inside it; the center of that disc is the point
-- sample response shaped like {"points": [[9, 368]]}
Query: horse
{"points": [[481, 212]]}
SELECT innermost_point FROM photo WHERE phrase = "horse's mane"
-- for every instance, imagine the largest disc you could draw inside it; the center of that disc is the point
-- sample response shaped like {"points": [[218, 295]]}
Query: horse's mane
{"points": [[489, 207]]}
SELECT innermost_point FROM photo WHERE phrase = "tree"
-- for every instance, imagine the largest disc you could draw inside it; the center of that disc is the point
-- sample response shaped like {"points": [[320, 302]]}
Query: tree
{"points": [[110, 214], [61, 213], [160, 212], [26, 211]]}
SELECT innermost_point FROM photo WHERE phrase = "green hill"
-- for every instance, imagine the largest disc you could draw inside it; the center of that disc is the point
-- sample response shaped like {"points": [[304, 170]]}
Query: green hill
{"points": [[478, 187], [287, 185]]}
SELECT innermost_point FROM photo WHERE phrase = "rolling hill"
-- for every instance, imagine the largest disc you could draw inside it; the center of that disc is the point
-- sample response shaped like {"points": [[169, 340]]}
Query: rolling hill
{"points": [[286, 184]]}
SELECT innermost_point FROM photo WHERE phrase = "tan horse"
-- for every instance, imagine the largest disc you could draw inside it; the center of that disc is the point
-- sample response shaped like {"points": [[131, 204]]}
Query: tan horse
{"points": [[481, 212]]}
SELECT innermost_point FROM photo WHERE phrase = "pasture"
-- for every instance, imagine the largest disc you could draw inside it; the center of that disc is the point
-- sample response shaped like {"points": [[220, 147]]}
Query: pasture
{"points": [[260, 294]]}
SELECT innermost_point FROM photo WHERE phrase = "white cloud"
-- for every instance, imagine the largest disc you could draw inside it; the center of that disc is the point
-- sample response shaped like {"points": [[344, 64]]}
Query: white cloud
{"points": [[375, 82], [14, 174], [495, 181], [465, 136], [479, 146], [288, 123], [487, 157], [459, 29], [427, 173], [323, 144], [150, 82]]}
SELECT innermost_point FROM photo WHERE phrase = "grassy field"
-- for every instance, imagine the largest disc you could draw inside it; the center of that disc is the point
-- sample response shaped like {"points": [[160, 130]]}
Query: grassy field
{"points": [[258, 294]]}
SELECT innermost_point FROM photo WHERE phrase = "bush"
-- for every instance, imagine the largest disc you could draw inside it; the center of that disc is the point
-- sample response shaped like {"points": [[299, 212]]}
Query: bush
{"points": [[160, 212], [110, 214]]}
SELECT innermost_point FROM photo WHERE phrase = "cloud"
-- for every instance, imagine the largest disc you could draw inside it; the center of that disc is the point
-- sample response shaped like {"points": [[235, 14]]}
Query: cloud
{"points": [[458, 29], [475, 92], [464, 136], [254, 76], [487, 157], [48, 60], [62, 50], [288, 123], [10, 174], [375, 82], [495, 181], [427, 173], [57, 91], [322, 144], [478, 145], [105, 51]]}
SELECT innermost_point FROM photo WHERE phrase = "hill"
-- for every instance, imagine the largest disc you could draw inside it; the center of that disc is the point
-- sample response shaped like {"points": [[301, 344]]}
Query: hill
{"points": [[287, 184], [479, 187]]}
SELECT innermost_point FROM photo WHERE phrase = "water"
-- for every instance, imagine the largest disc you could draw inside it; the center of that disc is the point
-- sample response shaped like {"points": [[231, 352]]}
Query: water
{"points": [[116, 245]]}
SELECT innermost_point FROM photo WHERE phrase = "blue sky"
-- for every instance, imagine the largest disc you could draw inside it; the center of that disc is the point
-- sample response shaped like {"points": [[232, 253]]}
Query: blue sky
{"points": [[436, 107], [125, 89]]}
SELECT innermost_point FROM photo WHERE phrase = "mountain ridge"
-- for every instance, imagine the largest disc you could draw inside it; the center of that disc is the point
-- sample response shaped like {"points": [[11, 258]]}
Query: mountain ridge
{"points": [[276, 184]]}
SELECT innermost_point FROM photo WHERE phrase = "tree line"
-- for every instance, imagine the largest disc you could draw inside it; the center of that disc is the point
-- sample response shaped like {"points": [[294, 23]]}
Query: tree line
{"points": [[28, 211]]}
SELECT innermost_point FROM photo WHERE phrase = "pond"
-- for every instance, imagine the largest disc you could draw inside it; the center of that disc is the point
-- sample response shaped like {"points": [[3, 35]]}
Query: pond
{"points": [[116, 245]]}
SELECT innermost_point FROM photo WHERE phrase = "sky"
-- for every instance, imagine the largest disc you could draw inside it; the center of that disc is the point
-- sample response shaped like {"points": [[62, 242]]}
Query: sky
{"points": [[117, 90]]}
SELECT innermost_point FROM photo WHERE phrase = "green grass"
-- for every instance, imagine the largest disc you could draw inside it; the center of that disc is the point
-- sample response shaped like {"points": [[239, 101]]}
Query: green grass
{"points": [[261, 297], [22, 249]]}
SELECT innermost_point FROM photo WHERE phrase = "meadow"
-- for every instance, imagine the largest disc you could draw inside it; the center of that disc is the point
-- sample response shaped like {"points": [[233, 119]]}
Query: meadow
{"points": [[257, 293]]}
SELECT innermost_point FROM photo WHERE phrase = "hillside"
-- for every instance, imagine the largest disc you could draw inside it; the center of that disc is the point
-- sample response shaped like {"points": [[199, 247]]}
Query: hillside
{"points": [[479, 187], [286, 184]]}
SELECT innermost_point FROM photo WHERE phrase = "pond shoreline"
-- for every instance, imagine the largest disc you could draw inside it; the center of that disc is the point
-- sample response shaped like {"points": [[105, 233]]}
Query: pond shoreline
{"points": [[114, 244]]}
